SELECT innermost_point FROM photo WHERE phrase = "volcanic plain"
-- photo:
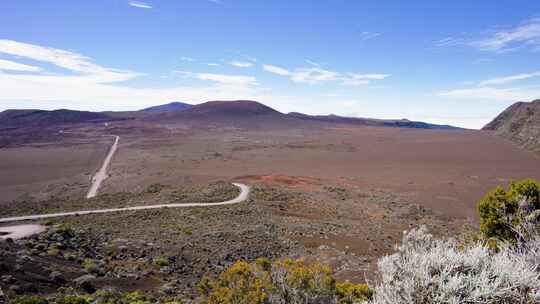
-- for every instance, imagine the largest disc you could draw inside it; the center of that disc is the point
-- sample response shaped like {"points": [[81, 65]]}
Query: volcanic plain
{"points": [[339, 193]]}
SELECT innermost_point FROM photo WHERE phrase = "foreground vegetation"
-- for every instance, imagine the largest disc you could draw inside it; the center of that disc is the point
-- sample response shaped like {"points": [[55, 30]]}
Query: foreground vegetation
{"points": [[497, 265], [263, 282]]}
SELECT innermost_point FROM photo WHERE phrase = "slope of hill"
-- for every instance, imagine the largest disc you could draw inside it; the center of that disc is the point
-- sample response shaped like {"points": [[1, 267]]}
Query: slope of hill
{"points": [[520, 123], [173, 106], [241, 111], [235, 108], [30, 118], [401, 123]]}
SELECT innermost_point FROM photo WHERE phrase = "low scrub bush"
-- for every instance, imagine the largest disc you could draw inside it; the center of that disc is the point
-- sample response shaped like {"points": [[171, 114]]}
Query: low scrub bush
{"points": [[72, 299], [154, 188], [30, 300], [283, 282], [349, 293], [425, 270], [502, 211], [161, 261]]}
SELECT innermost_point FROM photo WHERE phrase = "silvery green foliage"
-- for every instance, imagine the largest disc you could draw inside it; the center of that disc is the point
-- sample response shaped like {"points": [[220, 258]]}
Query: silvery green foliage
{"points": [[425, 270]]}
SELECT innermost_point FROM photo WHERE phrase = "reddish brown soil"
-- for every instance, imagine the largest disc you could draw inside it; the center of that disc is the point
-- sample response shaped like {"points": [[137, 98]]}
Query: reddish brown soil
{"points": [[447, 171]]}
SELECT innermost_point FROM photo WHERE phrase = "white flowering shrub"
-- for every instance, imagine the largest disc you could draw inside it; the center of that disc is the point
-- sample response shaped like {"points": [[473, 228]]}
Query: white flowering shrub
{"points": [[425, 270]]}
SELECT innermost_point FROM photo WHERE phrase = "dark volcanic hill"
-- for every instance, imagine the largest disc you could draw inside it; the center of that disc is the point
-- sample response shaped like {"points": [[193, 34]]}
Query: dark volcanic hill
{"points": [[173, 106], [520, 123], [42, 118], [238, 113], [246, 113], [400, 123], [235, 109]]}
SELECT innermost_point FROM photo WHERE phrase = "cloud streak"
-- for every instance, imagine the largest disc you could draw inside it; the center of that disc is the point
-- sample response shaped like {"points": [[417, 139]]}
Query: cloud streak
{"points": [[82, 84], [224, 79], [525, 35], [67, 60], [508, 79], [276, 70], [316, 75], [241, 64], [139, 4], [491, 89], [491, 93], [369, 35], [7, 65]]}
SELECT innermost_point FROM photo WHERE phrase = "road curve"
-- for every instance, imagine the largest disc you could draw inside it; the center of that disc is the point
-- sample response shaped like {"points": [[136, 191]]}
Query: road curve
{"points": [[244, 194], [20, 231], [101, 175]]}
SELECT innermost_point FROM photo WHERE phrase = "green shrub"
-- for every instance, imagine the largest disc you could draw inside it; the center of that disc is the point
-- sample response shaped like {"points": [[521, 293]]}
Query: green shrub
{"points": [[135, 298], [502, 211], [496, 211], [30, 300], [286, 281], [238, 284], [64, 229], [161, 261], [154, 188], [90, 266], [528, 189], [53, 252], [73, 300], [264, 264], [349, 293]]}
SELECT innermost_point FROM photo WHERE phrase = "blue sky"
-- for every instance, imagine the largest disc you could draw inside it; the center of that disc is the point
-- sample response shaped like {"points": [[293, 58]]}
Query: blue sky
{"points": [[458, 62]]}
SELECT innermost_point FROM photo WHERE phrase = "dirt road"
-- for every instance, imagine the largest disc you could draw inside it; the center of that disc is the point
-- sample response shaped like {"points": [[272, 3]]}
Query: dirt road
{"points": [[20, 231], [101, 175], [244, 194]]}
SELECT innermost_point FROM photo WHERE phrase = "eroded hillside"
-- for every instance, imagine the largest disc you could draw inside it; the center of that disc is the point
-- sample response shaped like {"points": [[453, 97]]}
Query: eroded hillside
{"points": [[520, 123]]}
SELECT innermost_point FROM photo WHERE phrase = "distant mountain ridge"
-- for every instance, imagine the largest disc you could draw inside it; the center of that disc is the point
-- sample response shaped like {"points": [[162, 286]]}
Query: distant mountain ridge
{"points": [[25, 118], [172, 106], [244, 113], [520, 123], [398, 123]]}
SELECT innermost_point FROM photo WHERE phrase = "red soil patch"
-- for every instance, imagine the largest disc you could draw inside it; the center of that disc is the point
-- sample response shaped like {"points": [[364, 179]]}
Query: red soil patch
{"points": [[299, 182]]}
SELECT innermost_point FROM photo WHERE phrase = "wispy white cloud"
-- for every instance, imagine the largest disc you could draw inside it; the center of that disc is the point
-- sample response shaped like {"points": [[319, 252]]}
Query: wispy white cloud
{"points": [[7, 65], [276, 70], [83, 84], [314, 75], [524, 35], [228, 79], [493, 89], [353, 79], [314, 63], [139, 4], [492, 93], [188, 59], [369, 35], [223, 79], [216, 1], [241, 64], [310, 75], [67, 60], [449, 41], [211, 64], [508, 79]]}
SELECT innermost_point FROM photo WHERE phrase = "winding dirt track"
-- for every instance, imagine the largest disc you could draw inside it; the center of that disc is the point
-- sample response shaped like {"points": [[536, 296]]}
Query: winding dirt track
{"points": [[22, 231], [101, 175], [244, 194]]}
